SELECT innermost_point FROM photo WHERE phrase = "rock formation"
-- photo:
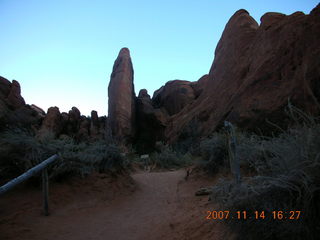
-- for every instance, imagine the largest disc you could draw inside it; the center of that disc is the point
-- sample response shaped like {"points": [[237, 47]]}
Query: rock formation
{"points": [[94, 125], [5, 86], [121, 110], [13, 109], [151, 123], [256, 70], [74, 121], [83, 131], [174, 96], [15, 100], [51, 123], [73, 125], [38, 110]]}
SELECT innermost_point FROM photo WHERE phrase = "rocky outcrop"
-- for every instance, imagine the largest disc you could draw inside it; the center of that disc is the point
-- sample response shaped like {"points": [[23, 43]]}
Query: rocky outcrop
{"points": [[200, 85], [84, 127], [5, 86], [73, 124], [15, 113], [94, 125], [38, 110], [13, 109], [15, 100], [255, 71], [153, 115], [98, 127], [174, 96], [10, 93], [51, 123], [121, 105], [151, 123]]}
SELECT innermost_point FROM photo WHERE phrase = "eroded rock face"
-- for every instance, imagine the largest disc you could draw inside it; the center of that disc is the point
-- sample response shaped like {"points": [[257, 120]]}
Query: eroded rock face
{"points": [[13, 110], [94, 124], [256, 70], [121, 110], [174, 96], [51, 122], [14, 98], [5, 86], [15, 113], [10, 95], [98, 127], [74, 121], [150, 123], [200, 85], [38, 110], [83, 132], [73, 125]]}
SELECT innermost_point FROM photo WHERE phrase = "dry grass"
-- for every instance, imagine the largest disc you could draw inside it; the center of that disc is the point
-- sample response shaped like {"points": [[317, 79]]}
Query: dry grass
{"points": [[278, 173], [21, 149]]}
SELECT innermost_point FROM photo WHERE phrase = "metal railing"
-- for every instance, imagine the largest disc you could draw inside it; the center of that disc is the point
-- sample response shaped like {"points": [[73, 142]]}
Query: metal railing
{"points": [[41, 167]]}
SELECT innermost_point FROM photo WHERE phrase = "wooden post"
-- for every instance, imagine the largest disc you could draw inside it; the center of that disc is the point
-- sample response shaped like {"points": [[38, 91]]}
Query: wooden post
{"points": [[41, 167], [45, 191], [232, 147]]}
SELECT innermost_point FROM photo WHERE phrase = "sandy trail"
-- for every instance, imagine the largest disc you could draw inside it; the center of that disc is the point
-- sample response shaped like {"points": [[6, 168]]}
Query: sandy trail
{"points": [[162, 207]]}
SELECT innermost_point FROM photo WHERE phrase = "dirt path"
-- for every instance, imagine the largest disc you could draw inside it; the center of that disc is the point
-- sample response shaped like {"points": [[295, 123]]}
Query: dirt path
{"points": [[162, 207]]}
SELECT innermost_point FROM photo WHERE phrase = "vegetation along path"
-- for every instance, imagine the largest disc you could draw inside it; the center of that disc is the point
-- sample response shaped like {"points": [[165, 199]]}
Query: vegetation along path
{"points": [[162, 206]]}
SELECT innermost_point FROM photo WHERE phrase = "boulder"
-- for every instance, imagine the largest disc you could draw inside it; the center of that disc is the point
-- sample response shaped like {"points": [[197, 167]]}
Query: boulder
{"points": [[121, 104], [174, 96]]}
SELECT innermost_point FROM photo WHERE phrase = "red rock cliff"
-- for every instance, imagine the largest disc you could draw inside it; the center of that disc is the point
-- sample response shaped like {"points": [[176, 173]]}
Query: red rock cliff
{"points": [[121, 105], [255, 70]]}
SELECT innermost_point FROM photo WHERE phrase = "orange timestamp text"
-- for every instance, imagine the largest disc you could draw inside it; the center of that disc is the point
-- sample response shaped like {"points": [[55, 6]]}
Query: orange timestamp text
{"points": [[244, 215]]}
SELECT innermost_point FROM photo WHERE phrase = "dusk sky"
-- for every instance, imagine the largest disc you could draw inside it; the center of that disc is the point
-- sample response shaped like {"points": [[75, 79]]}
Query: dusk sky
{"points": [[62, 52]]}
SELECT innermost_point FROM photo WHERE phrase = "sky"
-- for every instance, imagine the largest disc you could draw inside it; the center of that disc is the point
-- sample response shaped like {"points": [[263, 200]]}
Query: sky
{"points": [[62, 51]]}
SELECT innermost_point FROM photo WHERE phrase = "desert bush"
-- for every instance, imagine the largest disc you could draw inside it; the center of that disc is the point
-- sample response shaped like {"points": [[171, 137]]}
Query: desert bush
{"points": [[21, 149], [168, 158], [213, 152], [18, 151], [286, 177], [189, 138], [298, 190], [277, 155], [84, 158]]}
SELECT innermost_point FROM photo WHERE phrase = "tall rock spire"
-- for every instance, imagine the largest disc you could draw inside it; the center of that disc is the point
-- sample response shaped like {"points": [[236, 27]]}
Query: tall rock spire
{"points": [[121, 105]]}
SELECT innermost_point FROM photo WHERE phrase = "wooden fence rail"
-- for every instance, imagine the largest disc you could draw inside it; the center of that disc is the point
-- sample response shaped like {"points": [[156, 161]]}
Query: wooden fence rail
{"points": [[41, 167]]}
